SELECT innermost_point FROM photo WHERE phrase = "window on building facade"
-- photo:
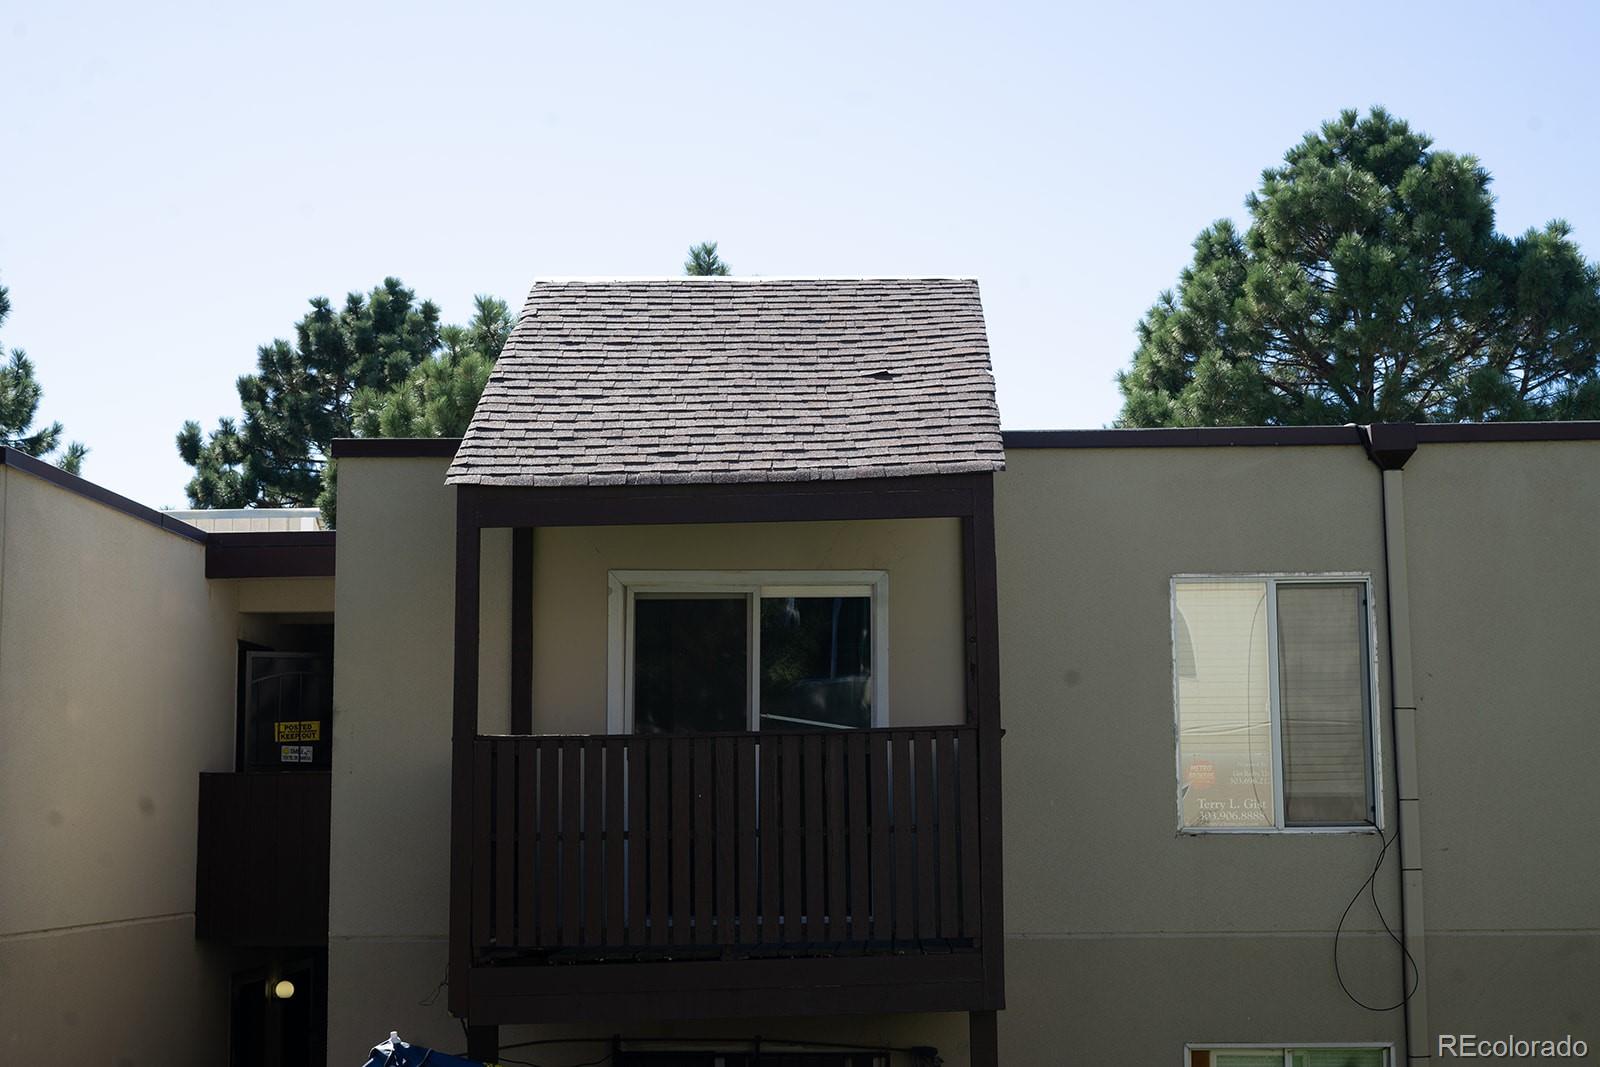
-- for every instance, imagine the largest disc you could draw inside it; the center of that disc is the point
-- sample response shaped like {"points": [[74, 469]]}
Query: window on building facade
{"points": [[700, 652], [1274, 687], [1253, 1056]]}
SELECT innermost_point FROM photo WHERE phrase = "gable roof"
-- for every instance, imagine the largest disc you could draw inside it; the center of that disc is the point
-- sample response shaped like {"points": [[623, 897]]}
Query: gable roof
{"points": [[613, 382]]}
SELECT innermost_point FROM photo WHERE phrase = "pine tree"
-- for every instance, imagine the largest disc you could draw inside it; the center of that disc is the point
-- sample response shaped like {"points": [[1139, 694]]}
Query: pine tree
{"points": [[20, 393], [439, 395], [703, 261], [1370, 286], [301, 397]]}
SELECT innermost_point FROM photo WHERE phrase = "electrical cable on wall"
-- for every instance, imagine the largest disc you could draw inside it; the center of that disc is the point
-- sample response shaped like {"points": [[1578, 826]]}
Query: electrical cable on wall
{"points": [[1370, 887]]}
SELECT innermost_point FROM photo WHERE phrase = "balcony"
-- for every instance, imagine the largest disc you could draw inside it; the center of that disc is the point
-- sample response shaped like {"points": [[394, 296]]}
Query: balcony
{"points": [[619, 878], [856, 852], [725, 846], [261, 870]]}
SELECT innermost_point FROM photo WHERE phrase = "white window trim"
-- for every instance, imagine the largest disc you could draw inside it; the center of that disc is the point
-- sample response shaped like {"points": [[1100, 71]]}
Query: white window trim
{"points": [[625, 585], [1375, 736], [1387, 1047]]}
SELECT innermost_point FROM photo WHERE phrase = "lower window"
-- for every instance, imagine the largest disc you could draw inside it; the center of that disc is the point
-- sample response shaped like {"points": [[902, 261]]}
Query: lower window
{"points": [[1315, 1056], [1274, 687]]}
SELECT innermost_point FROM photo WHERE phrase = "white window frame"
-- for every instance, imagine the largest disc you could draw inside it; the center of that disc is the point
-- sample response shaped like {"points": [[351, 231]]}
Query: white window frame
{"points": [[1374, 735], [626, 585], [1386, 1047]]}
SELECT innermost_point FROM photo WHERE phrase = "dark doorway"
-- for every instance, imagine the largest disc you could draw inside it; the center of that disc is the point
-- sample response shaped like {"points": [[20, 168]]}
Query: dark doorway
{"points": [[285, 699], [280, 1014]]}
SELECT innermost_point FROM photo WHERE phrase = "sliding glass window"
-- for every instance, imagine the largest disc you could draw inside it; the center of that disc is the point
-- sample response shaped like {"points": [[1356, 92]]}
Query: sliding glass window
{"points": [[770, 651]]}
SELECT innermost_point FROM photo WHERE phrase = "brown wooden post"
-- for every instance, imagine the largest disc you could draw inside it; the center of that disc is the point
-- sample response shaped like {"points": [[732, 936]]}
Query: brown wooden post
{"points": [[463, 730], [483, 1043], [981, 583], [522, 630], [983, 1039]]}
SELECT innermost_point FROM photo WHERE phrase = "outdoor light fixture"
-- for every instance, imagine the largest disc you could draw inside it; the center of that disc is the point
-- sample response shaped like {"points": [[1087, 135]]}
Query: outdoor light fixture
{"points": [[284, 989]]}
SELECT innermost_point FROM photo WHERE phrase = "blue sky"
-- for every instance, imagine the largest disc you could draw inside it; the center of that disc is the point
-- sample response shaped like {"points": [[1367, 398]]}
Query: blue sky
{"points": [[177, 180]]}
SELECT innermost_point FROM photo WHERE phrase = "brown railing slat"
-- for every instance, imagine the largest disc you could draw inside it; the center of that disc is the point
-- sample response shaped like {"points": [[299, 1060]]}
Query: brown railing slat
{"points": [[658, 814], [638, 840], [593, 895], [767, 877], [505, 842], [790, 814], [833, 797], [904, 851], [482, 820], [927, 847], [616, 890], [682, 842], [949, 875], [725, 837], [527, 757], [878, 757], [812, 782], [549, 846], [571, 842], [703, 843], [856, 804], [745, 813], [967, 769]]}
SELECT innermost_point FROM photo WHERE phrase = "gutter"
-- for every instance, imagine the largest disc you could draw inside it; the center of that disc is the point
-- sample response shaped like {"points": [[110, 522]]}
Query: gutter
{"points": [[1390, 446]]}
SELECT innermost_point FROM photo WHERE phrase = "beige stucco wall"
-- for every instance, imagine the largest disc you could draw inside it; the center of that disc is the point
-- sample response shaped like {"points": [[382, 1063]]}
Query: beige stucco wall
{"points": [[393, 671], [1504, 561], [1124, 938], [392, 692], [116, 689], [289, 596]]}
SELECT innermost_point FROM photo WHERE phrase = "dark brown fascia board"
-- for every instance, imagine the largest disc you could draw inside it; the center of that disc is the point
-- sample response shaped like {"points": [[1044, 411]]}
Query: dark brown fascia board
{"points": [[1452, 433], [1185, 437], [280, 554], [287, 554], [1226, 436], [11, 457], [1390, 445], [1163, 437], [395, 447], [912, 497]]}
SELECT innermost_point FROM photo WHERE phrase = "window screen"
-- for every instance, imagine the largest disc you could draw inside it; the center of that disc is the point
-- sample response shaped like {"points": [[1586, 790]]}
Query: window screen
{"points": [[1322, 681]]}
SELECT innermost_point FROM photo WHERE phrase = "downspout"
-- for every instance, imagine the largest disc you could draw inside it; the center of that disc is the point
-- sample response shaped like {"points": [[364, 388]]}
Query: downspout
{"points": [[1390, 446]]}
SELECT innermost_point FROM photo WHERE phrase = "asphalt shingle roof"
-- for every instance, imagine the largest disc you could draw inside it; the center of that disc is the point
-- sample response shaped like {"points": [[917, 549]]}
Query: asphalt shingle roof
{"points": [[737, 380]]}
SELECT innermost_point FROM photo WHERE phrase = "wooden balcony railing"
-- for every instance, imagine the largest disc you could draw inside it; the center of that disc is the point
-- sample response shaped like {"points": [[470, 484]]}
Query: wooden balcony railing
{"points": [[261, 866], [725, 845]]}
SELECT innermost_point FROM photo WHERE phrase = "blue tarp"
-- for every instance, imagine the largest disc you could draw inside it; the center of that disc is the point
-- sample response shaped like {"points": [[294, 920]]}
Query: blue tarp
{"points": [[396, 1053]]}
